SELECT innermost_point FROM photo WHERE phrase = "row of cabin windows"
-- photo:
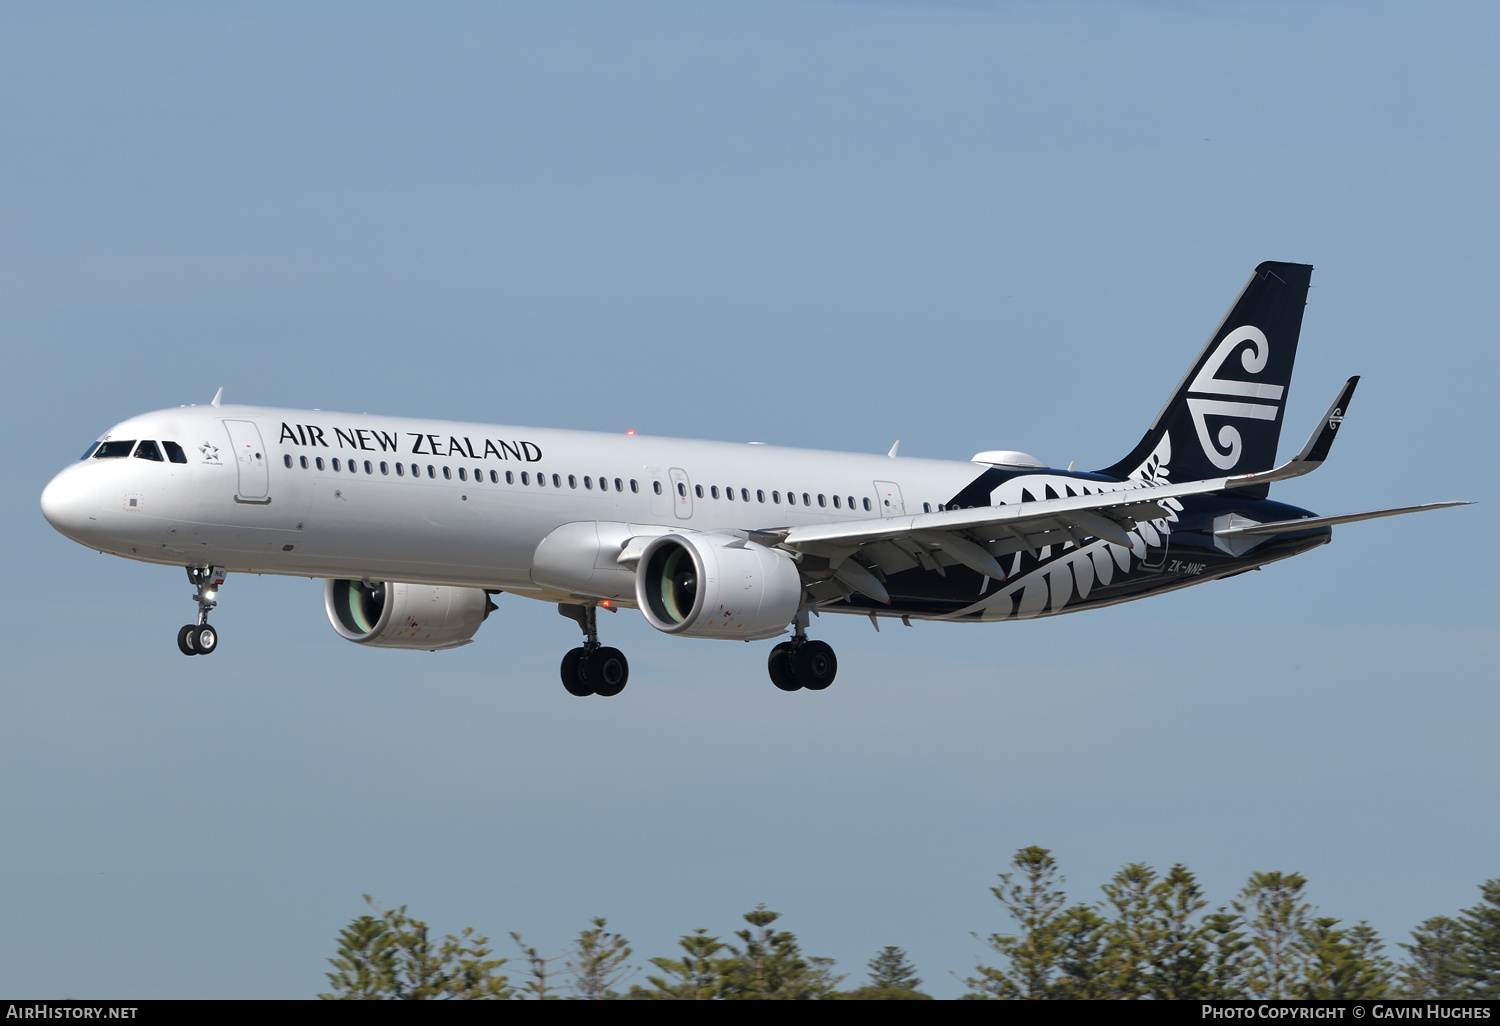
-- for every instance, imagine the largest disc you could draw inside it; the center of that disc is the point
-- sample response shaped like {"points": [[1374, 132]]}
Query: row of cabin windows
{"points": [[416, 471], [143, 450], [589, 483], [839, 501]]}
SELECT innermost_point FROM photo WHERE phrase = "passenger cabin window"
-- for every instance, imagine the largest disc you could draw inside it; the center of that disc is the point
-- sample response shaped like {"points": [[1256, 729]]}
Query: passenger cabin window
{"points": [[745, 494], [302, 459], [463, 475], [835, 502], [334, 463], [525, 478], [698, 490], [655, 486], [494, 477], [385, 468], [510, 478], [791, 498], [447, 474], [588, 483], [572, 481], [286, 460], [760, 496], [714, 491], [729, 494], [318, 462], [401, 470], [805, 500], [867, 505], [821, 501], [114, 450], [369, 469]]}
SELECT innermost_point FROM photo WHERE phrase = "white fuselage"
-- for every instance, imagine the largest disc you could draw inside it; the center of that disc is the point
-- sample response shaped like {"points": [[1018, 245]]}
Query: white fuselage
{"points": [[444, 503]]}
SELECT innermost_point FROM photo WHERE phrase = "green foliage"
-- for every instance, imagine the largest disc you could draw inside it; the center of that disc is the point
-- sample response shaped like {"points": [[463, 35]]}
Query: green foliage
{"points": [[1481, 943], [1032, 894], [1149, 937], [1341, 964], [699, 975], [390, 957], [599, 963], [890, 970], [1436, 968], [770, 966], [1277, 917]]}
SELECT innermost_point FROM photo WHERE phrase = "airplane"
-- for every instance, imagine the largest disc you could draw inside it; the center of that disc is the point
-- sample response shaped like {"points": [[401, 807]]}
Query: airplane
{"points": [[415, 525]]}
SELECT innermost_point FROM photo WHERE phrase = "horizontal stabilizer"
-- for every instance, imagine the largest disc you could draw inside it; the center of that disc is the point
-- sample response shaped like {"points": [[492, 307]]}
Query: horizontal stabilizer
{"points": [[1309, 523]]}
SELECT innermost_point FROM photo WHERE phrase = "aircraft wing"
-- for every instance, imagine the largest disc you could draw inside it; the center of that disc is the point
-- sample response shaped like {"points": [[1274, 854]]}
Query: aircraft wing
{"points": [[1285, 526]]}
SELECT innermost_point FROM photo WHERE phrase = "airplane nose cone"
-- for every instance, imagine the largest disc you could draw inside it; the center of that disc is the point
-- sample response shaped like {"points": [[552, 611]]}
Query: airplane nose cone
{"points": [[70, 502]]}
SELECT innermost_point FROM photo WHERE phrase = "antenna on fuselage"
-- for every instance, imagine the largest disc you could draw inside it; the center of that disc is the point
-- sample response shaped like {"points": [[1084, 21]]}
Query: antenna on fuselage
{"points": [[892, 453], [217, 396]]}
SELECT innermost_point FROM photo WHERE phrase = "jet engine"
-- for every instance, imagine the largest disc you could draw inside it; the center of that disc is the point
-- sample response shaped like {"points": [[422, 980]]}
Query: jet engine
{"points": [[416, 616], [716, 586]]}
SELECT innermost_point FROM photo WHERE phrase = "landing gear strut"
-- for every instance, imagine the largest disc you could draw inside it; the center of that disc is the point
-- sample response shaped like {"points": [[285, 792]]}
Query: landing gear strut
{"points": [[199, 638], [592, 669], [801, 663]]}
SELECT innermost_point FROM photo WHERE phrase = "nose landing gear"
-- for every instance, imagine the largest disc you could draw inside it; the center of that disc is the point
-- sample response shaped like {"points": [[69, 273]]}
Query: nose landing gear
{"points": [[801, 663], [199, 638], [592, 669]]}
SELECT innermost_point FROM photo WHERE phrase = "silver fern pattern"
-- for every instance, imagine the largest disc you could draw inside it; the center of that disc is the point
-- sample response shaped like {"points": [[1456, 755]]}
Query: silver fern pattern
{"points": [[1074, 570]]}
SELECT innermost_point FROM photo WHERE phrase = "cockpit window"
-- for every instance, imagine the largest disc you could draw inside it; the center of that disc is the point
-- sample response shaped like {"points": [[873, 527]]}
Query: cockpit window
{"points": [[174, 452], [89, 451], [148, 450], [114, 450]]}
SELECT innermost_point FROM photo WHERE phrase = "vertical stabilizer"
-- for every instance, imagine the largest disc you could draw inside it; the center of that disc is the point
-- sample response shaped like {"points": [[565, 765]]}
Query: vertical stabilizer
{"points": [[1225, 416]]}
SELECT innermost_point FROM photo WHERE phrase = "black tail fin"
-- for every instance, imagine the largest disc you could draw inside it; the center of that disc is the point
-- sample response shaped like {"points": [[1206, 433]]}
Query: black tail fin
{"points": [[1225, 416]]}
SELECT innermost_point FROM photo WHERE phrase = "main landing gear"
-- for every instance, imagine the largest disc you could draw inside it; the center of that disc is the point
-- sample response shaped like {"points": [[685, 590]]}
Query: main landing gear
{"points": [[592, 669], [199, 638], [801, 663]]}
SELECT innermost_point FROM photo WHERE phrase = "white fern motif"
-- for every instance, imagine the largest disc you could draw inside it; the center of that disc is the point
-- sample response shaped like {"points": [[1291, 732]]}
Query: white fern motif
{"points": [[1074, 570]]}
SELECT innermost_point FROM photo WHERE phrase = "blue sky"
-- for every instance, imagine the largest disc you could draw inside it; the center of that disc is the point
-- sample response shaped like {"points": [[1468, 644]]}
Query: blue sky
{"points": [[967, 226]]}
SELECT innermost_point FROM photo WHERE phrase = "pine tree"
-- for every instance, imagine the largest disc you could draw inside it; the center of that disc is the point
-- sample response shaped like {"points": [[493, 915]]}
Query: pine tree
{"points": [[1230, 958], [599, 962], [1481, 943], [770, 966], [698, 976], [1341, 965], [1079, 943], [1034, 902], [892, 978], [1180, 954], [1131, 935], [1436, 968], [390, 956], [1277, 918], [890, 970]]}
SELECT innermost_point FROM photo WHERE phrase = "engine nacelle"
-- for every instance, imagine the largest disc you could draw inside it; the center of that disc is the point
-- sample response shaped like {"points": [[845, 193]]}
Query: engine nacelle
{"points": [[716, 586], [417, 616]]}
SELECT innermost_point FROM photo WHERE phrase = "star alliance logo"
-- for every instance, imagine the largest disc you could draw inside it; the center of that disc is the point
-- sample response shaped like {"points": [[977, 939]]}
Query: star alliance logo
{"points": [[210, 453]]}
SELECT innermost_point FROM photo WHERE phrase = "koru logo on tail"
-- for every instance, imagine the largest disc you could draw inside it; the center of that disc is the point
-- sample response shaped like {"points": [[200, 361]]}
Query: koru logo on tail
{"points": [[1224, 450]]}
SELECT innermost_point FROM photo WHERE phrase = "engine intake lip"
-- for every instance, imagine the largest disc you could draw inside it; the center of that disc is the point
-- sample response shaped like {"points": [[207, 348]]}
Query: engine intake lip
{"points": [[670, 586], [359, 611]]}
